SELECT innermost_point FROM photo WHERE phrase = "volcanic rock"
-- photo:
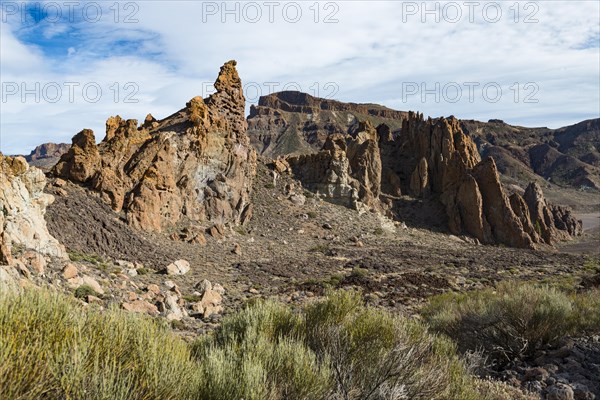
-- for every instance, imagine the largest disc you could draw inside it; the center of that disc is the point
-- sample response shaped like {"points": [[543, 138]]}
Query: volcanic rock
{"points": [[46, 155], [194, 166], [347, 170], [22, 208]]}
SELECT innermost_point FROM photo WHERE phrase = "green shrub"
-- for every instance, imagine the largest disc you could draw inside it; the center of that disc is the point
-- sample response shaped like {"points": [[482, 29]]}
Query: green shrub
{"points": [[51, 348], [512, 321], [77, 256], [587, 312], [83, 291], [336, 348]]}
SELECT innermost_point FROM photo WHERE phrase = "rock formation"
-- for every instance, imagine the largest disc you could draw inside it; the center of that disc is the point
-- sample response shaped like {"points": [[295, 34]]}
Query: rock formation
{"points": [[431, 159], [445, 162], [551, 223], [347, 170], [22, 208], [192, 167]]}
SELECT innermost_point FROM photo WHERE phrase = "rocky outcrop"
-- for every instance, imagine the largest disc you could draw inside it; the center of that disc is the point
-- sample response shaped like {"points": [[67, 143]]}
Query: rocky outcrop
{"points": [[192, 167], [551, 223], [82, 160], [445, 163], [22, 208], [430, 159], [346, 171], [505, 225]]}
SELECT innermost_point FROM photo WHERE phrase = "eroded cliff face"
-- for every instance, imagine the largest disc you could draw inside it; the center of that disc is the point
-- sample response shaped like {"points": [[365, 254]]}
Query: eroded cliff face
{"points": [[291, 122], [446, 165], [346, 171], [22, 208], [192, 167]]}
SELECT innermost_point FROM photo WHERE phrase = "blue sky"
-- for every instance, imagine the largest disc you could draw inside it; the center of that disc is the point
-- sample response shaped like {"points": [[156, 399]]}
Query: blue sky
{"points": [[528, 63]]}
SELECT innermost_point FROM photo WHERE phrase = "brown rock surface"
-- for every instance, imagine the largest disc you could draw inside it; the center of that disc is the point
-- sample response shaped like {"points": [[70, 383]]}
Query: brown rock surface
{"points": [[194, 166], [552, 223], [347, 170], [505, 225]]}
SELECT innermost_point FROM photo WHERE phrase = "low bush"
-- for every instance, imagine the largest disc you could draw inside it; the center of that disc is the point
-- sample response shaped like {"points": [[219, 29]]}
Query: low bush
{"points": [[51, 348], [83, 291], [514, 320], [333, 349]]}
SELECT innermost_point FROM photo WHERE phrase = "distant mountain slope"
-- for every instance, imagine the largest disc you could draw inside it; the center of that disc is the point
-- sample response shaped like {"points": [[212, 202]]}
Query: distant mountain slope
{"points": [[568, 157], [46, 155], [297, 123]]}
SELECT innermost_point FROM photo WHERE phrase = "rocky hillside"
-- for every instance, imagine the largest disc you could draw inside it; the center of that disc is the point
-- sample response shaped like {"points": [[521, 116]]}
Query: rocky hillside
{"points": [[46, 155], [22, 225], [568, 157], [191, 168]]}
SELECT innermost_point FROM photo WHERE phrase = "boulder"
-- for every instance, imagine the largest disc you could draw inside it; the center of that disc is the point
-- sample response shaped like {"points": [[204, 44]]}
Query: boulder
{"points": [[141, 306], [179, 267]]}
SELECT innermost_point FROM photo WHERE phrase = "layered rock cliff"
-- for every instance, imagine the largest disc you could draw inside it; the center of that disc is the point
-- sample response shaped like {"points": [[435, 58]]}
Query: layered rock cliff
{"points": [[192, 167], [292, 122]]}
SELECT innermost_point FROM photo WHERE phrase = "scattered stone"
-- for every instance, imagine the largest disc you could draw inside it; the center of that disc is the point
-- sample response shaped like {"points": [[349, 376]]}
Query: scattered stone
{"points": [[237, 249], [217, 231], [170, 284], [327, 226], [199, 239], [203, 285], [536, 374], [174, 312], [298, 199], [560, 392], [179, 267], [132, 272], [140, 306], [91, 299], [219, 289], [253, 291], [211, 303], [153, 288], [69, 271], [61, 192], [35, 260]]}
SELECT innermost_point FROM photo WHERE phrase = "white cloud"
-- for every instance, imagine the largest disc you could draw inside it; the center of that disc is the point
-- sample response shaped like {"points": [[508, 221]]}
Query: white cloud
{"points": [[375, 50]]}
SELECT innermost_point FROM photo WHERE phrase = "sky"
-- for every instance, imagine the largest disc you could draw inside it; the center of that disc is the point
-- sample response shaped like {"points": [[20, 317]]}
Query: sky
{"points": [[69, 65]]}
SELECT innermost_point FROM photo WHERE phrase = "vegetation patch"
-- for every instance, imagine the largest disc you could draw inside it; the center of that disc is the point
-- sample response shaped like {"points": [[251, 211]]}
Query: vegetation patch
{"points": [[515, 319]]}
